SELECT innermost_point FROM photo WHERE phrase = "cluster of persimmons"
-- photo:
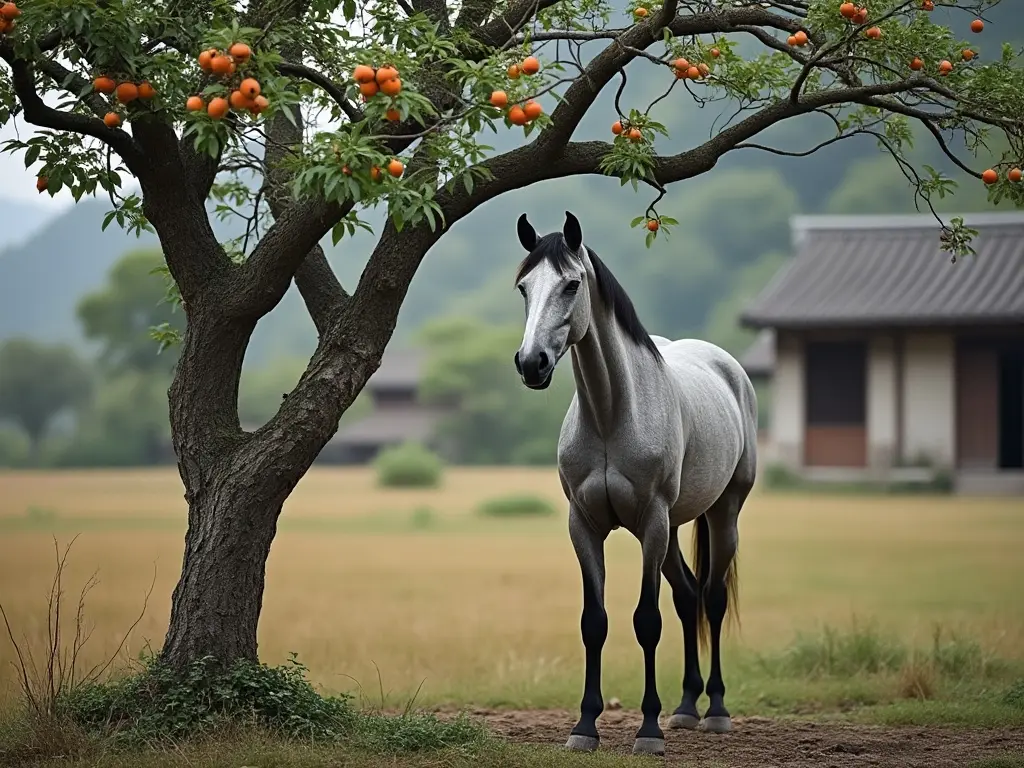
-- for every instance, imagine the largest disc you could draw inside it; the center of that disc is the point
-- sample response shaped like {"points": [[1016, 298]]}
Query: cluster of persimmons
{"points": [[519, 114], [9, 13], [245, 93]]}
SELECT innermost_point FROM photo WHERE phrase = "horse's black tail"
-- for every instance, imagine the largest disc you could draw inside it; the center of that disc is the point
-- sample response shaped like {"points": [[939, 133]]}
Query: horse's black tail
{"points": [[702, 570]]}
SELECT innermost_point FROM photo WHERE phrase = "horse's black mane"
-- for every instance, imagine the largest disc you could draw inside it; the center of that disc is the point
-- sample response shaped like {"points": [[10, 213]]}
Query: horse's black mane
{"points": [[552, 249]]}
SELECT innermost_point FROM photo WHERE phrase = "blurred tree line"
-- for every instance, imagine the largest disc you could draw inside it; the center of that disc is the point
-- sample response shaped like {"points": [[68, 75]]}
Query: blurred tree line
{"points": [[106, 405]]}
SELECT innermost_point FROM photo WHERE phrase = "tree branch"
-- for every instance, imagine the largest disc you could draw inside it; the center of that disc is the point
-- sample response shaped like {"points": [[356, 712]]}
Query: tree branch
{"points": [[498, 32], [320, 288], [265, 279], [329, 87], [633, 42], [39, 114], [473, 13], [60, 75]]}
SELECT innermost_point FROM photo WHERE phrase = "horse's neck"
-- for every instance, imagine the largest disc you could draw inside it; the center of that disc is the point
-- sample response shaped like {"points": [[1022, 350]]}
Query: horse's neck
{"points": [[604, 364]]}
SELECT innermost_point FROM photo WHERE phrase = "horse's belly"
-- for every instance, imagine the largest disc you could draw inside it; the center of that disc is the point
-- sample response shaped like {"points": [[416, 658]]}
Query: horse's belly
{"points": [[704, 477]]}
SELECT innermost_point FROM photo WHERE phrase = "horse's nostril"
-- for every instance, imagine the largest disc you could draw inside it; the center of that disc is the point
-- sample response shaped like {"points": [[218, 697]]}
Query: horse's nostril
{"points": [[543, 361], [519, 368]]}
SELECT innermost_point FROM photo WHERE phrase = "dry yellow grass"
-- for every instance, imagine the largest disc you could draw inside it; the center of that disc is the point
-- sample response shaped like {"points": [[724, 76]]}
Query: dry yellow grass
{"points": [[487, 611]]}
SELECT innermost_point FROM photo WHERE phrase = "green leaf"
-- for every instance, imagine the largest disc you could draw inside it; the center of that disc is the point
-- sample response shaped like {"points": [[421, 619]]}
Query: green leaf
{"points": [[428, 214], [32, 155]]}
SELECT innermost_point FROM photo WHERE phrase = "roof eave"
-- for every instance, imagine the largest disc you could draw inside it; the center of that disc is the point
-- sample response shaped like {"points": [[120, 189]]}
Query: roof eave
{"points": [[808, 323]]}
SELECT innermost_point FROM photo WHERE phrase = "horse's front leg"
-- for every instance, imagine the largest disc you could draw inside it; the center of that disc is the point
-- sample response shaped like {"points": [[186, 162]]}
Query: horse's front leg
{"points": [[654, 538], [589, 546]]}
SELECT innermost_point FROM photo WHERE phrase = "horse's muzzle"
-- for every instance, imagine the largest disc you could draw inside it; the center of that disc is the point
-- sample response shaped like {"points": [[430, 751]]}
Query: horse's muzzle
{"points": [[535, 370]]}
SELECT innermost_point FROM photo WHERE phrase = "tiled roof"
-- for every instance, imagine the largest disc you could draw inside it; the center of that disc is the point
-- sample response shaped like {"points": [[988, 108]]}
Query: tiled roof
{"points": [[390, 425], [399, 368], [852, 271]]}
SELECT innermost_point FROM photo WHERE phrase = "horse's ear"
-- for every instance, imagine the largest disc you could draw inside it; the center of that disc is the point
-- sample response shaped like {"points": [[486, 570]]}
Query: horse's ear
{"points": [[527, 234], [572, 232]]}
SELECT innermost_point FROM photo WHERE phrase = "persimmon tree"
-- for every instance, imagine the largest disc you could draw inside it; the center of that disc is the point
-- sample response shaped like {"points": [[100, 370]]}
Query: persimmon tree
{"points": [[301, 115]]}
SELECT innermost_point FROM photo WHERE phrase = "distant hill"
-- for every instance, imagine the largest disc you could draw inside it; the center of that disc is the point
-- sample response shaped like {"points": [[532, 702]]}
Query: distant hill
{"points": [[41, 280], [21, 220]]}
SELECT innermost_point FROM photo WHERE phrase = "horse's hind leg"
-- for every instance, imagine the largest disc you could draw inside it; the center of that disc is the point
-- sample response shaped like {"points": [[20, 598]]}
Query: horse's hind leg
{"points": [[723, 541], [684, 596]]}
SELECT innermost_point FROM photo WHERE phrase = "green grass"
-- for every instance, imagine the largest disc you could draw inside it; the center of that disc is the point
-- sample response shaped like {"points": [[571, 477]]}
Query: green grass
{"points": [[860, 675], [255, 748], [1003, 761]]}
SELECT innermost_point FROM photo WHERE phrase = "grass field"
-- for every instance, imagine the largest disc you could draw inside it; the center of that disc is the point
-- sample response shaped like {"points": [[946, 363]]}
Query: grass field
{"points": [[484, 612]]}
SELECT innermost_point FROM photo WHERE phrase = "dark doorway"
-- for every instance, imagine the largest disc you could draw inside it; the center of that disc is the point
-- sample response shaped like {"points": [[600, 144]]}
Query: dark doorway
{"points": [[1011, 410], [835, 385]]}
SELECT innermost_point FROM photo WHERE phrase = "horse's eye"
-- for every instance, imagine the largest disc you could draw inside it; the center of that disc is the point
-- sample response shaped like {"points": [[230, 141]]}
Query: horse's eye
{"points": [[572, 287], [522, 290]]}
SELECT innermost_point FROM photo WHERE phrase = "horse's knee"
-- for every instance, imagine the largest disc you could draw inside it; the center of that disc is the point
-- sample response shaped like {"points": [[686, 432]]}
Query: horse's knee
{"points": [[647, 625]]}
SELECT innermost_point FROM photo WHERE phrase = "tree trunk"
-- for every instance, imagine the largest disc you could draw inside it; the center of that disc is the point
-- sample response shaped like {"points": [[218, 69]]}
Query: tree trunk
{"points": [[232, 514], [236, 483], [216, 605]]}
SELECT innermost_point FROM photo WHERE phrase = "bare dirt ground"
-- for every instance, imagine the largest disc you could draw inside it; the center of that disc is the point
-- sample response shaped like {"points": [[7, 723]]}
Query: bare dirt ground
{"points": [[766, 743]]}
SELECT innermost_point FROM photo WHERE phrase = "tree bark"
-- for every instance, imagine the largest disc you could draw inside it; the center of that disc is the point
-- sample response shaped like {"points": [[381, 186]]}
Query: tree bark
{"points": [[216, 605], [232, 517]]}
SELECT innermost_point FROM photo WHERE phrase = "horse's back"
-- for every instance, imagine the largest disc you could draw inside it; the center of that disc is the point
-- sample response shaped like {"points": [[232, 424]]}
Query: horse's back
{"points": [[689, 356], [720, 422]]}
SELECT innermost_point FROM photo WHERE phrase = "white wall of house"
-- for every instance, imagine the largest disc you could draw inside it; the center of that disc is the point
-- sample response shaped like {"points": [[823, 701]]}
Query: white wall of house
{"points": [[787, 435], [882, 402], [921, 396], [929, 398]]}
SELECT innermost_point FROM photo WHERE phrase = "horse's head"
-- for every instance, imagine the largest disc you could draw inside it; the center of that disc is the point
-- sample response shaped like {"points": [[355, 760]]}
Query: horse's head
{"points": [[553, 281]]}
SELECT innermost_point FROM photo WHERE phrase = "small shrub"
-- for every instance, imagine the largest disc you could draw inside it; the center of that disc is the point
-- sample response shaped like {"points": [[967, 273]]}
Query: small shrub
{"points": [[41, 515], [161, 703], [423, 517], [1014, 696], [410, 465], [957, 657], [416, 732], [836, 653], [523, 505], [780, 477], [917, 681], [47, 680]]}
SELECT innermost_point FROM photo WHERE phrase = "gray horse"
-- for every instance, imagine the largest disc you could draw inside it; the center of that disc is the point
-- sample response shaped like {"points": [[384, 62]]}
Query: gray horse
{"points": [[658, 434]]}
